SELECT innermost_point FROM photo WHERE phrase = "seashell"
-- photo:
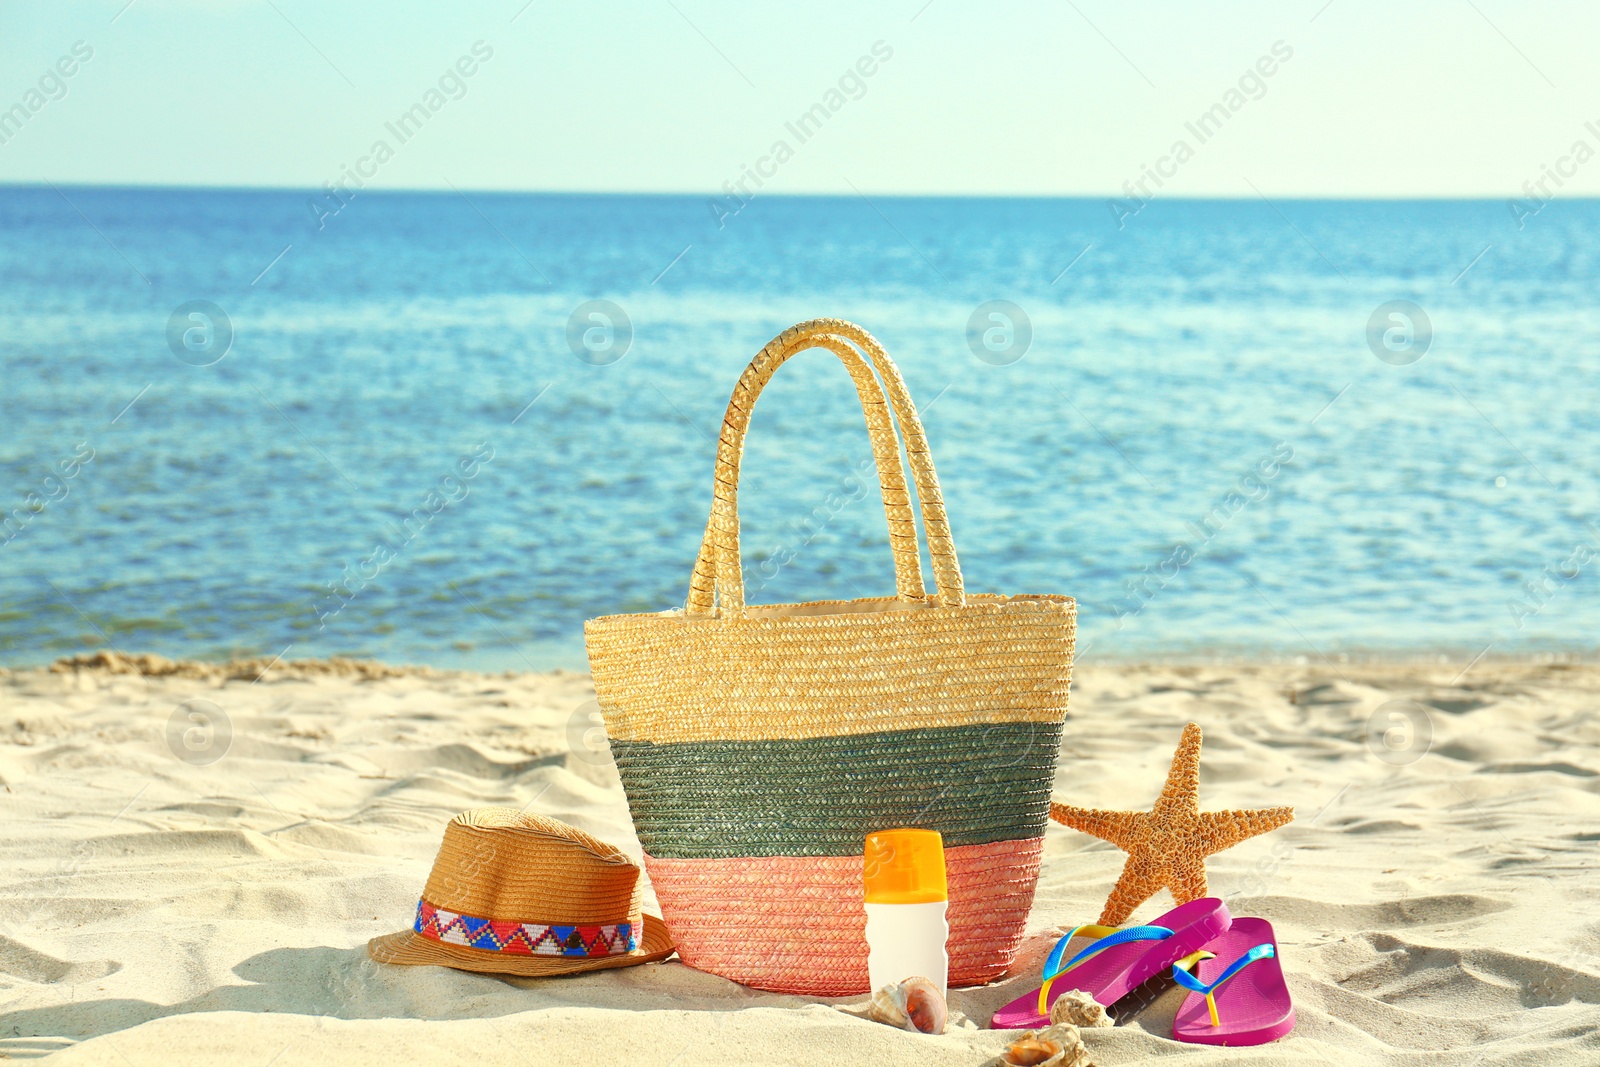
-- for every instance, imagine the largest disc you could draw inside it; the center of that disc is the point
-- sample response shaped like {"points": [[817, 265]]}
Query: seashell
{"points": [[914, 1005], [1080, 1009], [1030, 1050], [1057, 1046]]}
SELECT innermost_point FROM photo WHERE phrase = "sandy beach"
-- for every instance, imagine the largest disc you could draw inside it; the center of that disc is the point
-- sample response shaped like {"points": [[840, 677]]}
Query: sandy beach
{"points": [[168, 896]]}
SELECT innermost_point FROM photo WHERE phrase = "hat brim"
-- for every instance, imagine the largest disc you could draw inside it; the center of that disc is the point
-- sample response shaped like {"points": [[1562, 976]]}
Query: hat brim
{"points": [[411, 948]]}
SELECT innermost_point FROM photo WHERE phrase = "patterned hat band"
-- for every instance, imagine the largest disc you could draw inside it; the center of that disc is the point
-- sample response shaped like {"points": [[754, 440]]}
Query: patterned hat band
{"points": [[523, 939]]}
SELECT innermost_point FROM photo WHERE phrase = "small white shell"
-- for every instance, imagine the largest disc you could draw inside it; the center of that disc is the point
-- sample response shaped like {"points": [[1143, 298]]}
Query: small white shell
{"points": [[914, 1005], [1080, 1009]]}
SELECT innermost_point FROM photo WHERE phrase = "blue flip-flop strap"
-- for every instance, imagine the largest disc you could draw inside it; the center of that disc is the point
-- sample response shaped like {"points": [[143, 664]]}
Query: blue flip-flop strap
{"points": [[1189, 981], [1121, 937], [1111, 940]]}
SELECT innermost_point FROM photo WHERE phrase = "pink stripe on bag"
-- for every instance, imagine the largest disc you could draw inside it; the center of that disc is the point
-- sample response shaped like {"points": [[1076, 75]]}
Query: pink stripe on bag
{"points": [[796, 923]]}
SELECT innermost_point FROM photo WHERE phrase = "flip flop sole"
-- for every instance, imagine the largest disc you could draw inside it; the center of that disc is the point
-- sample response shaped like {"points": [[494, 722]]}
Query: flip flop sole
{"points": [[1236, 1038], [1253, 1007]]}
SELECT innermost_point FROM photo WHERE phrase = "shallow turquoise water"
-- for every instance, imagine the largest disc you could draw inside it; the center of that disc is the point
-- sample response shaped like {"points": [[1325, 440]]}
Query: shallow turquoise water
{"points": [[1120, 459]]}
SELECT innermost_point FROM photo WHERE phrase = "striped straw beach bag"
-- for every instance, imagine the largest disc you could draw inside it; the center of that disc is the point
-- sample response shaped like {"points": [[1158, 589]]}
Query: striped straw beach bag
{"points": [[760, 745]]}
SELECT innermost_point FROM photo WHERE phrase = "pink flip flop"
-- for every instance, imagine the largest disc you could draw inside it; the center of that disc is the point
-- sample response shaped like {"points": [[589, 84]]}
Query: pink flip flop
{"points": [[1118, 962], [1237, 997]]}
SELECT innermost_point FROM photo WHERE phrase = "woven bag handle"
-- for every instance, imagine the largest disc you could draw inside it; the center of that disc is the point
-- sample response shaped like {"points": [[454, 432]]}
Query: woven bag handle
{"points": [[718, 568], [886, 456]]}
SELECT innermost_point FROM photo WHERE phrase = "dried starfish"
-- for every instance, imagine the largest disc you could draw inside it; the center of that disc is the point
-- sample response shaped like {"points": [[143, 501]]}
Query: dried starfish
{"points": [[1168, 845]]}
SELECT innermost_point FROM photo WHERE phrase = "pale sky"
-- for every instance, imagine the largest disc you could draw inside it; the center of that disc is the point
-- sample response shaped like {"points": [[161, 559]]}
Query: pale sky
{"points": [[1449, 98]]}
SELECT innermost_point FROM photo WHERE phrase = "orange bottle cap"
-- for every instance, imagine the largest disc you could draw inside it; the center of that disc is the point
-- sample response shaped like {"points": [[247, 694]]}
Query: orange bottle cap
{"points": [[904, 867]]}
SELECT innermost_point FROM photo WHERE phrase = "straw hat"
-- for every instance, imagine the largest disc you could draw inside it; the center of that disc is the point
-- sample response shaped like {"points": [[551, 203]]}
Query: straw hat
{"points": [[513, 893]]}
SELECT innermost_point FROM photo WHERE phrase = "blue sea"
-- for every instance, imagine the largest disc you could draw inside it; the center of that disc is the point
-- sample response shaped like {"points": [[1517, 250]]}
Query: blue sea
{"points": [[233, 423]]}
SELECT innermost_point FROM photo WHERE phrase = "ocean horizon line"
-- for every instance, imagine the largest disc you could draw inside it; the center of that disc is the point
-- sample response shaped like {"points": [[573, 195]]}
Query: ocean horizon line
{"points": [[624, 194]]}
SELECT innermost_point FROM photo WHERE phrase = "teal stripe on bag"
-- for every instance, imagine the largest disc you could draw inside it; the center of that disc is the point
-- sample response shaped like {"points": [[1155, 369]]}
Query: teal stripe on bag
{"points": [[822, 796]]}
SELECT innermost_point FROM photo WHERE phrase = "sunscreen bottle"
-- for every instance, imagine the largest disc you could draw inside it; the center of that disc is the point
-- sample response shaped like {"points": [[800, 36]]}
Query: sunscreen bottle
{"points": [[903, 883]]}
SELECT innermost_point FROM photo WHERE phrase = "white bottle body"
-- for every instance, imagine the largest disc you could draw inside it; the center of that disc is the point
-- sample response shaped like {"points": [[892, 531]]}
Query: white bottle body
{"points": [[908, 941]]}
